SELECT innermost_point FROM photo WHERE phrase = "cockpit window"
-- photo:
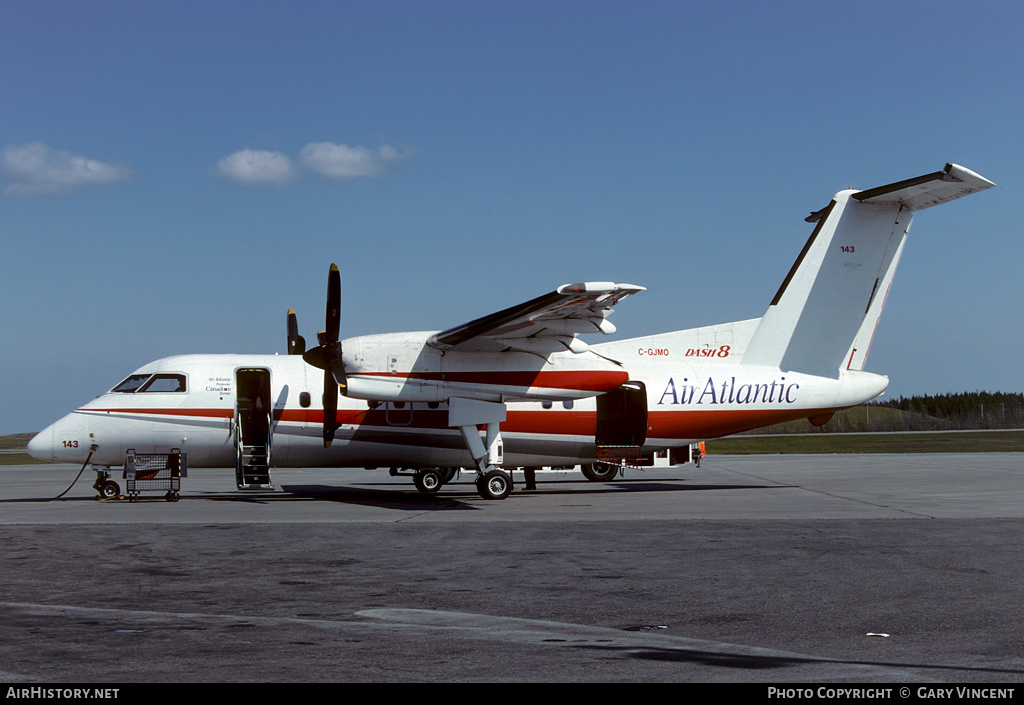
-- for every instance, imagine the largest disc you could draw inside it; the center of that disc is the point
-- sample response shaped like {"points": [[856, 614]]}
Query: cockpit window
{"points": [[164, 383], [131, 384], [152, 383]]}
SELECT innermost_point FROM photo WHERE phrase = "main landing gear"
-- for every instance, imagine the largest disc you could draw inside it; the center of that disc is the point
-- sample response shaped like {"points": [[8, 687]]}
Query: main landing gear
{"points": [[468, 415], [430, 480], [494, 483], [491, 483]]}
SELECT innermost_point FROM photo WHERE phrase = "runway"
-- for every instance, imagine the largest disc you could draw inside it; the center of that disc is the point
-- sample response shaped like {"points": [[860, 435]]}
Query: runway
{"points": [[769, 569]]}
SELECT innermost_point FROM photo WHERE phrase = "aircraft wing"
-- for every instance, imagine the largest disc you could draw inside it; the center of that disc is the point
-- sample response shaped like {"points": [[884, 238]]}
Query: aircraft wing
{"points": [[555, 318]]}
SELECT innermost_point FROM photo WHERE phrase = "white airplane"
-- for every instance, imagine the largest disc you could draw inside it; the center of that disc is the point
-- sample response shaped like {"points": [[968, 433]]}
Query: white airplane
{"points": [[418, 402]]}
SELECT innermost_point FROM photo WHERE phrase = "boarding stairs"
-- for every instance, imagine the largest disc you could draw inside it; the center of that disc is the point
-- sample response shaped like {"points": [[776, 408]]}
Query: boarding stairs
{"points": [[252, 461]]}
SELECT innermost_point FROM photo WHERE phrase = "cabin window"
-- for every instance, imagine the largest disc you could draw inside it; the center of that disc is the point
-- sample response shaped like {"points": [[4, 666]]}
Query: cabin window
{"points": [[131, 384], [164, 383], [567, 404], [304, 400], [545, 404]]}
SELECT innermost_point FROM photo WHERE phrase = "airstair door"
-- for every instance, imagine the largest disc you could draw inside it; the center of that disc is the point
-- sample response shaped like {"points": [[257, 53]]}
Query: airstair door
{"points": [[253, 428]]}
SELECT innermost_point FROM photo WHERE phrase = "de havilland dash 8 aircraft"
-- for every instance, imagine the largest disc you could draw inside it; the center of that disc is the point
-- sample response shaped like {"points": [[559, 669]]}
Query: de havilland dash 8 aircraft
{"points": [[520, 388]]}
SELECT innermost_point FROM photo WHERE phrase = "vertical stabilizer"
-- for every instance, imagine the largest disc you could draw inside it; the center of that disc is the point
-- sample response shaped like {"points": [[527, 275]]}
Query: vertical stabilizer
{"points": [[825, 313]]}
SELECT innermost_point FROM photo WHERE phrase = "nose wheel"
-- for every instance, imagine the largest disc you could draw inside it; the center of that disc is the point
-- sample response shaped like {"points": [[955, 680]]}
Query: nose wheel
{"points": [[104, 486], [110, 490]]}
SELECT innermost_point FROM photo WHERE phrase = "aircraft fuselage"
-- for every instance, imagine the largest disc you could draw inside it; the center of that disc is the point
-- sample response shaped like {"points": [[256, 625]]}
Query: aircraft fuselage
{"points": [[689, 398]]}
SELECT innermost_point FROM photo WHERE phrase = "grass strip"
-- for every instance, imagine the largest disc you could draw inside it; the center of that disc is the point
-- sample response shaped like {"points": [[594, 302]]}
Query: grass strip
{"points": [[939, 442]]}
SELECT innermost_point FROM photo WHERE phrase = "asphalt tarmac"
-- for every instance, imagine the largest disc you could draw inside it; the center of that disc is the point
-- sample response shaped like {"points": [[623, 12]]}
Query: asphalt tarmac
{"points": [[861, 569]]}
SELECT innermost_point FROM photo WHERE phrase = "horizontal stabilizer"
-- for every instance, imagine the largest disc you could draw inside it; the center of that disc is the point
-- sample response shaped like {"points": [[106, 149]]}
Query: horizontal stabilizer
{"points": [[929, 190]]}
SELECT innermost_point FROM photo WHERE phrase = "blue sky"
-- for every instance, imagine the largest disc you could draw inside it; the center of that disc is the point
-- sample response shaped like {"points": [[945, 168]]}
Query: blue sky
{"points": [[176, 175]]}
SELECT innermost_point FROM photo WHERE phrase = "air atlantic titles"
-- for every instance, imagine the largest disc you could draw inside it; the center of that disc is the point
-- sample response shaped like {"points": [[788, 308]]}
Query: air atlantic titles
{"points": [[727, 391]]}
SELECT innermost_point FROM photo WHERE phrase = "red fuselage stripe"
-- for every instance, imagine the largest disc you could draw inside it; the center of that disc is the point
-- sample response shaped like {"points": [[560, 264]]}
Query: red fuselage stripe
{"points": [[556, 422], [206, 413]]}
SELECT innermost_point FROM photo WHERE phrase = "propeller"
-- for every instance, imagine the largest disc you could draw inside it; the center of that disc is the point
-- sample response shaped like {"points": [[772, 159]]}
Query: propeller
{"points": [[296, 343], [327, 355]]}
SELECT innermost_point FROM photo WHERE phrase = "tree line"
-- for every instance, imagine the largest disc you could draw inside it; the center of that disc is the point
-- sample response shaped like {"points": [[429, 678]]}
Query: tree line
{"points": [[928, 412], [964, 410]]}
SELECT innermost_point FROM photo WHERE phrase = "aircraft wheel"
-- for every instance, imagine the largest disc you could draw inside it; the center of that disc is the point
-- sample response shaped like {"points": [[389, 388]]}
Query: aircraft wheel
{"points": [[495, 484], [447, 474], [109, 490], [428, 481], [600, 472]]}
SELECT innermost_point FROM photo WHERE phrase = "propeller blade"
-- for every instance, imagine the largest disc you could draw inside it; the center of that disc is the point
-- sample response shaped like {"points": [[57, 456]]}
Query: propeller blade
{"points": [[327, 355], [296, 343], [333, 304], [330, 408]]}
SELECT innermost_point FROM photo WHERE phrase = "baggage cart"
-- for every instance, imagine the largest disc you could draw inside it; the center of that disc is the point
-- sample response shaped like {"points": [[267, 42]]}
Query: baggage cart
{"points": [[155, 472]]}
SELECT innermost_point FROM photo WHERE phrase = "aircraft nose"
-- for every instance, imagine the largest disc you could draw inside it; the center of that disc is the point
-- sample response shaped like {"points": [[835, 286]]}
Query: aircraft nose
{"points": [[41, 445]]}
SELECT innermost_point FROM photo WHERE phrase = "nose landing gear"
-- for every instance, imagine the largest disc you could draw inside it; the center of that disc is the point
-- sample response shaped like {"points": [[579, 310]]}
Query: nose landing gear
{"points": [[104, 486]]}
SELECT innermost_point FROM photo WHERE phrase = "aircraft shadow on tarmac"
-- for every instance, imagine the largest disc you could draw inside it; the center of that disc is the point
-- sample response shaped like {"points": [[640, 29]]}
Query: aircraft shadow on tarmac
{"points": [[453, 496], [391, 496]]}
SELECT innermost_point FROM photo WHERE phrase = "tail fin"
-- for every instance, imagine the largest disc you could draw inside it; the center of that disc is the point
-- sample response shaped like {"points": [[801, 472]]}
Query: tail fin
{"points": [[824, 315]]}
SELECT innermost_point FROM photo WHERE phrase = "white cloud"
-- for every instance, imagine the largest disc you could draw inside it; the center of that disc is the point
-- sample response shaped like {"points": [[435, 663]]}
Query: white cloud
{"points": [[253, 167], [340, 162], [37, 168]]}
